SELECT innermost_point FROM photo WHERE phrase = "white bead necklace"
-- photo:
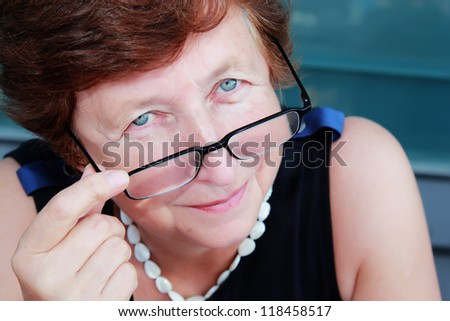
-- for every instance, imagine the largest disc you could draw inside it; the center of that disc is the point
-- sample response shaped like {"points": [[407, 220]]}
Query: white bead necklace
{"points": [[164, 286]]}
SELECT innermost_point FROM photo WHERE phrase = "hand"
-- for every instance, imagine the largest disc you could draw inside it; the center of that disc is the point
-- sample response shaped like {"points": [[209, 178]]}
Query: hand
{"points": [[73, 252]]}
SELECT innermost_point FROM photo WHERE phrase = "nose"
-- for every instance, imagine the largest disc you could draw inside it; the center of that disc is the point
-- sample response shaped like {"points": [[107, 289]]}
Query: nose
{"points": [[218, 168]]}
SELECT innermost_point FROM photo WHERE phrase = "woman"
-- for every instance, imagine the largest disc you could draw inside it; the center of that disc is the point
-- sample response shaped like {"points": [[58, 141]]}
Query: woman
{"points": [[141, 87]]}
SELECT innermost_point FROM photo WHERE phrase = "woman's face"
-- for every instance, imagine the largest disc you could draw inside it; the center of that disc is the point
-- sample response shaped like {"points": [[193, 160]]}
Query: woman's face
{"points": [[220, 83]]}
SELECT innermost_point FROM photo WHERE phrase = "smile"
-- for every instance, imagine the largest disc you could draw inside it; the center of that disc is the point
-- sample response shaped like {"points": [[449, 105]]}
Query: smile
{"points": [[223, 205]]}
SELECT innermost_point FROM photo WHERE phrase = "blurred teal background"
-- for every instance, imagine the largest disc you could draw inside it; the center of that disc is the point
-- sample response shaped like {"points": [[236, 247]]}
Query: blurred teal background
{"points": [[389, 61]]}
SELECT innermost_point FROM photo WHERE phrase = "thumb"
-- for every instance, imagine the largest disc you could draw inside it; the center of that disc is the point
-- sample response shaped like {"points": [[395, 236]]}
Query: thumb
{"points": [[88, 170]]}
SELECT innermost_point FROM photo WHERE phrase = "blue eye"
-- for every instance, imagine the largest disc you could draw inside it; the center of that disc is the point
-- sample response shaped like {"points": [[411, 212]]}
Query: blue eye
{"points": [[228, 84], [143, 119]]}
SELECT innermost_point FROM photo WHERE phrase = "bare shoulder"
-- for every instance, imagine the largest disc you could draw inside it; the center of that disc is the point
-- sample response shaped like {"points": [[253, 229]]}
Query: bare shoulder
{"points": [[381, 240], [16, 213]]}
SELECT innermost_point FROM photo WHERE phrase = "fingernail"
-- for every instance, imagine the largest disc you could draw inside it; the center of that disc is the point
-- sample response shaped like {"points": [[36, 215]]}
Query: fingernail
{"points": [[117, 178], [88, 170]]}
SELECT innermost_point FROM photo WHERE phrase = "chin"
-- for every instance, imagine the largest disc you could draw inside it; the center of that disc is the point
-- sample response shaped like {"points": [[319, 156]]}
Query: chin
{"points": [[223, 234]]}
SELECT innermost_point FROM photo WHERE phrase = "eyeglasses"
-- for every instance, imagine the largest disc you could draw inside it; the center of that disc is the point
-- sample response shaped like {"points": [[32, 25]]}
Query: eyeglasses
{"points": [[246, 143]]}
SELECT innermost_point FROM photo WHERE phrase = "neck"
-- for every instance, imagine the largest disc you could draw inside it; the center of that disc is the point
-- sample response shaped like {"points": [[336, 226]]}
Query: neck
{"points": [[188, 280], [184, 257], [193, 270]]}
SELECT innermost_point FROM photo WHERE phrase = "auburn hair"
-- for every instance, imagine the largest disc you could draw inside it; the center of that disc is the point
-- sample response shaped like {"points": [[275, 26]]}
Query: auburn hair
{"points": [[52, 49]]}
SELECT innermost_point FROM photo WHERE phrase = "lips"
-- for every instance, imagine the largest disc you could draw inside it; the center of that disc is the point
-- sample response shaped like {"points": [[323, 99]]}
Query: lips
{"points": [[223, 205]]}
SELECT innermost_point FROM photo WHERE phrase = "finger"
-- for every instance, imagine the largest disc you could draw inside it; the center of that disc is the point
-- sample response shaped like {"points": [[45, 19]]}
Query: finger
{"points": [[89, 170], [61, 214], [103, 263], [122, 283], [84, 239]]}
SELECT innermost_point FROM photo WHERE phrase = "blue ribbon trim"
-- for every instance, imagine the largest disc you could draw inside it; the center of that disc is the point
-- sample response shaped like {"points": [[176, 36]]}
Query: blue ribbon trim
{"points": [[44, 173], [320, 118]]}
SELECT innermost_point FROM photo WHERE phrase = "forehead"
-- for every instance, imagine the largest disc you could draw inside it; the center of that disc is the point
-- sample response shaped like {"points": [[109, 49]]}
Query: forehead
{"points": [[233, 37]]}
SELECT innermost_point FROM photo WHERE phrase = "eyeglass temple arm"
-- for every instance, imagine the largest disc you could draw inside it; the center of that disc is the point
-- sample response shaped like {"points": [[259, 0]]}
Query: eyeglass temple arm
{"points": [[304, 94], [86, 154]]}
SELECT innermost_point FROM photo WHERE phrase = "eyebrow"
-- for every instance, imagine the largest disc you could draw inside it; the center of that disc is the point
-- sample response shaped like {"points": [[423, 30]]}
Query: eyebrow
{"points": [[233, 65]]}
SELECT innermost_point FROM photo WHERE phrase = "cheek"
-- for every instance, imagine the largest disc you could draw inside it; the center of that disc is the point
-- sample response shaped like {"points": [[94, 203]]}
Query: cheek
{"points": [[129, 155], [268, 169], [262, 103], [152, 214]]}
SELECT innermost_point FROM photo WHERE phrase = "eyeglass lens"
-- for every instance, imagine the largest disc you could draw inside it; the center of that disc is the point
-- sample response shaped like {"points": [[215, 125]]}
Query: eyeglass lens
{"points": [[244, 145]]}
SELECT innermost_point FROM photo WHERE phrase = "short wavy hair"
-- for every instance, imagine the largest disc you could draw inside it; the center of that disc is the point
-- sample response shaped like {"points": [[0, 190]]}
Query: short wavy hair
{"points": [[52, 49]]}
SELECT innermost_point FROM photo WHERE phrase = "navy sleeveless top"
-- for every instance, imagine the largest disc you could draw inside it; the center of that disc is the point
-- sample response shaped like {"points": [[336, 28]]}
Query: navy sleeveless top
{"points": [[294, 259]]}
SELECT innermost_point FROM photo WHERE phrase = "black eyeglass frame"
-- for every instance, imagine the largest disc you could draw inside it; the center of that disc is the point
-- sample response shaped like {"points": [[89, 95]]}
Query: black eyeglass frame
{"points": [[223, 143]]}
